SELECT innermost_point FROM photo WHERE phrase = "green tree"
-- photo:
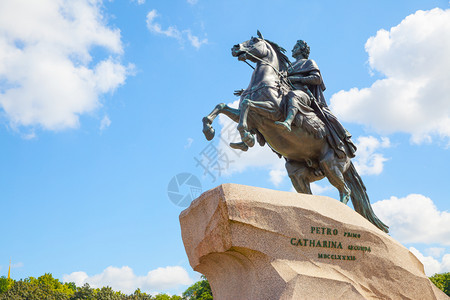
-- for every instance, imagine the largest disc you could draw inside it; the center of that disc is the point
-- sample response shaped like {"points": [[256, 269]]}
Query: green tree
{"points": [[201, 290], [138, 295], [44, 287], [107, 293], [5, 284], [22, 290], [84, 293], [166, 297], [53, 287], [49, 288], [442, 281], [72, 286]]}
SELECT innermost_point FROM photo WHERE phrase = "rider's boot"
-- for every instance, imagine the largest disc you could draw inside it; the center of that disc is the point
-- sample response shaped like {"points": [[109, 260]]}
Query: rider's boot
{"points": [[286, 124]]}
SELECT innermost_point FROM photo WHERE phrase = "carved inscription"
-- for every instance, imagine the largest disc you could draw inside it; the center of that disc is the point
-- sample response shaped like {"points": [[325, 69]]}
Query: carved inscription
{"points": [[327, 241]]}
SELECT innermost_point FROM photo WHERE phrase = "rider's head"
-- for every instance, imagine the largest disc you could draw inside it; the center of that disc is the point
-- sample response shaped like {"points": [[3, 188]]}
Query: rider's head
{"points": [[300, 48]]}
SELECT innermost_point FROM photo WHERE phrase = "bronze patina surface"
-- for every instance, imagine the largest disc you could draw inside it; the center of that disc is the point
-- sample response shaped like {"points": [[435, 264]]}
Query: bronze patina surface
{"points": [[284, 107]]}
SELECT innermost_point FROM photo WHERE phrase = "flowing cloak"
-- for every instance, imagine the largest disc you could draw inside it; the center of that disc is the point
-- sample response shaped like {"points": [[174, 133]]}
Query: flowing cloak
{"points": [[339, 138]]}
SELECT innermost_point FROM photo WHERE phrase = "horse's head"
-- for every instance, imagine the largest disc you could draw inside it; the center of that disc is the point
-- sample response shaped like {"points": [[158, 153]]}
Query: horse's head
{"points": [[254, 48], [258, 49]]}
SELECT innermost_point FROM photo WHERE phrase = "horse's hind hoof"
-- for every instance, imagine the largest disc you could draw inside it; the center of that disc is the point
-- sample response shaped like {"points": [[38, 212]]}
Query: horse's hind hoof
{"points": [[345, 197]]}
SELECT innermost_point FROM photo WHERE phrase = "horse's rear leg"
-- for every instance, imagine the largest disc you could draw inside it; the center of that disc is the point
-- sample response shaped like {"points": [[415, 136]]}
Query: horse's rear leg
{"points": [[301, 176], [334, 168], [232, 113]]}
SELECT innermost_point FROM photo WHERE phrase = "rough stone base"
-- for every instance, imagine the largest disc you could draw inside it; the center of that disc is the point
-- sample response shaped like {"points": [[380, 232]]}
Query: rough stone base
{"points": [[254, 243]]}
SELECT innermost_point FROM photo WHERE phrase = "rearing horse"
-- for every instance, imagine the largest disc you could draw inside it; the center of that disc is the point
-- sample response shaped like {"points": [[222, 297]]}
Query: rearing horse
{"points": [[308, 155]]}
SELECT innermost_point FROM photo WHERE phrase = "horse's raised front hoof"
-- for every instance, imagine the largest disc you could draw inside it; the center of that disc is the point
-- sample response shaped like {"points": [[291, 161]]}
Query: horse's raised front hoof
{"points": [[239, 146], [248, 139], [208, 131], [283, 125]]}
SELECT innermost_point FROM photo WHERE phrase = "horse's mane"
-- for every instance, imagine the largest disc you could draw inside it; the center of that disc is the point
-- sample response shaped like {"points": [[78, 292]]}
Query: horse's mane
{"points": [[283, 60]]}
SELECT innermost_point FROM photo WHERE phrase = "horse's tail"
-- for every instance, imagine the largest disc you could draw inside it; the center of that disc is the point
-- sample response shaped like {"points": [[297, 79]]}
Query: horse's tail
{"points": [[360, 199]]}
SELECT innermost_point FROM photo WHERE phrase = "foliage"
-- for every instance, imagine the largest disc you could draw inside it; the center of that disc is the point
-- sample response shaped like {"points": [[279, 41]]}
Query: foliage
{"points": [[44, 287], [83, 293], [107, 293], [49, 288], [166, 297], [442, 281], [5, 284], [200, 290], [138, 295]]}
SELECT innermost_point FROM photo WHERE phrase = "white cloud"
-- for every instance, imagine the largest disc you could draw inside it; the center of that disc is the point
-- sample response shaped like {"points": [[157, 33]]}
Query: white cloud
{"points": [[154, 27], [105, 123], [317, 189], [413, 96], [172, 31], [123, 279], [192, 1], [195, 41], [414, 219], [277, 176], [79, 278], [435, 251], [140, 2], [367, 162], [431, 265], [48, 77], [109, 75]]}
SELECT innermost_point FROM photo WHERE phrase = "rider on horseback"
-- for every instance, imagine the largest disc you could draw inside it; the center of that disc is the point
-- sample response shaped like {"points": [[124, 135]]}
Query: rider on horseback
{"points": [[317, 146], [305, 77]]}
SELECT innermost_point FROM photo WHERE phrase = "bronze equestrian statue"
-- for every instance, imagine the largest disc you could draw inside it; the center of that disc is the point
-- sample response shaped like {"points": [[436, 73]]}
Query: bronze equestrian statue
{"points": [[284, 107]]}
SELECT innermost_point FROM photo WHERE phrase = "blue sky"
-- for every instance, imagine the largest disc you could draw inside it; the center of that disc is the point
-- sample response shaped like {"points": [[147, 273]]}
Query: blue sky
{"points": [[101, 106]]}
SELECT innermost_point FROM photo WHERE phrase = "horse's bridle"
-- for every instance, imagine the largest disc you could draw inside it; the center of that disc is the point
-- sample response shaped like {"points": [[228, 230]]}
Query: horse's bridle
{"points": [[281, 75]]}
